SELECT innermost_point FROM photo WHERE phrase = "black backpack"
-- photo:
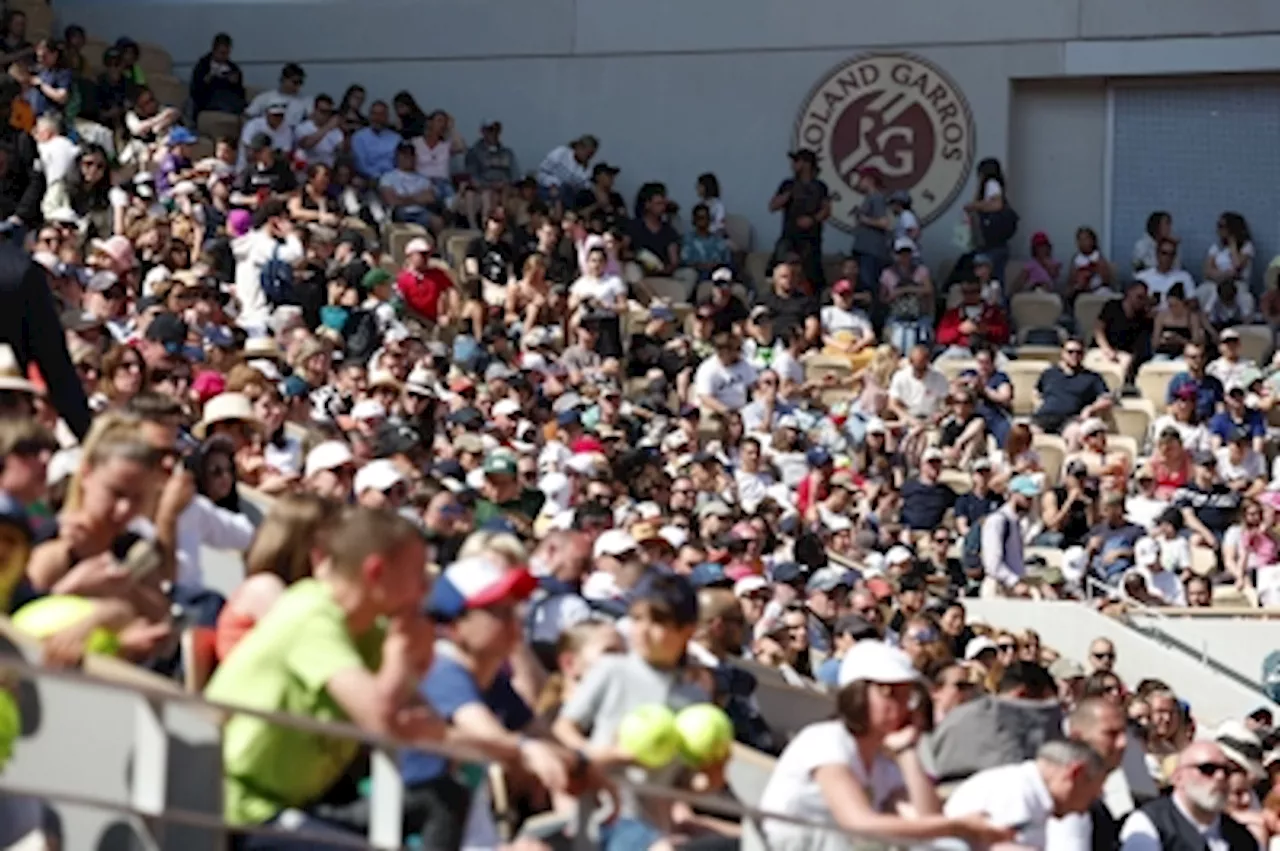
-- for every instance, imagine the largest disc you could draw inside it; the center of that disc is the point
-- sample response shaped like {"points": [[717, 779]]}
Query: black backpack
{"points": [[277, 280], [360, 332], [999, 228]]}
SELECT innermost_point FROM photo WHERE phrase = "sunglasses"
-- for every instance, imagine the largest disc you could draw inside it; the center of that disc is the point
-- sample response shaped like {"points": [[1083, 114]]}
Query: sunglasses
{"points": [[1006, 648], [1212, 769], [1103, 657], [1073, 351]]}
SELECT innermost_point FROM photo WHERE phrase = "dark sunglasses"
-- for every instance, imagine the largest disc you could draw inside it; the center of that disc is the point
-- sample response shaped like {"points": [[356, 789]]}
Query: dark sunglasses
{"points": [[1211, 769], [1103, 656], [1006, 648]]}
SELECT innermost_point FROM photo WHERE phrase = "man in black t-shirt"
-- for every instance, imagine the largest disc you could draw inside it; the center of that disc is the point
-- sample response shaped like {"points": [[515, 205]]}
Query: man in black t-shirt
{"points": [[805, 203], [730, 312], [599, 200], [1123, 332], [651, 234], [488, 267], [267, 173], [790, 308]]}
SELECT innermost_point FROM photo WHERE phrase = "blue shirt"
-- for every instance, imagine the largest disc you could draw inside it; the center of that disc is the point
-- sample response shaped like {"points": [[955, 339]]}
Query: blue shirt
{"points": [[1225, 427], [923, 505], [447, 688], [711, 248], [973, 508], [58, 78], [375, 151], [829, 672], [1209, 393]]}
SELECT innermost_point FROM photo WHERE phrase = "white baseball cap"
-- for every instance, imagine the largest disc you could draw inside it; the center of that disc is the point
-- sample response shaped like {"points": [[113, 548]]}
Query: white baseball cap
{"points": [[615, 542], [506, 408], [417, 246], [380, 475], [327, 456], [748, 584], [977, 646], [876, 662], [897, 554], [368, 409]]}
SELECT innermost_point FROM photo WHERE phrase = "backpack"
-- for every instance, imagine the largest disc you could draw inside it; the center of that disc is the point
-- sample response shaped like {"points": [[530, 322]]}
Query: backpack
{"points": [[361, 334], [998, 228], [277, 280]]}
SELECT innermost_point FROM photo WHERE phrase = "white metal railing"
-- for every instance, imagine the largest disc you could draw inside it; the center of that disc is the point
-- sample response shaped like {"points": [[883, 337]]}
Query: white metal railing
{"points": [[151, 757]]}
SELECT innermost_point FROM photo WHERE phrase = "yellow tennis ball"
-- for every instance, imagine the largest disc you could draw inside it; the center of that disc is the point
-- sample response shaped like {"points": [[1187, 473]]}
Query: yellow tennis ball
{"points": [[648, 734], [48, 615], [706, 734], [10, 725]]}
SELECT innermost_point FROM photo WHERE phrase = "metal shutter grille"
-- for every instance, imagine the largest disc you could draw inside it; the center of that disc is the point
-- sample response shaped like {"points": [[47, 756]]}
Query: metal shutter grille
{"points": [[1196, 148]]}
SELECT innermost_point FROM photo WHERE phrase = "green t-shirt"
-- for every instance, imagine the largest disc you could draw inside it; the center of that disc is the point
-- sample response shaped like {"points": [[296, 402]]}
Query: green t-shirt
{"points": [[526, 505], [283, 665]]}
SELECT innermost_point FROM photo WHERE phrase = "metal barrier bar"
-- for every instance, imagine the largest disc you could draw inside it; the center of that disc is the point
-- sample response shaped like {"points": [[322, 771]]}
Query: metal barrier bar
{"points": [[147, 800]]}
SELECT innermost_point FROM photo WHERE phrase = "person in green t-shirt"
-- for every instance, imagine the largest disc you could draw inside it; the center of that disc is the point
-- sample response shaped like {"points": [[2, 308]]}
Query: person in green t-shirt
{"points": [[504, 496], [349, 645]]}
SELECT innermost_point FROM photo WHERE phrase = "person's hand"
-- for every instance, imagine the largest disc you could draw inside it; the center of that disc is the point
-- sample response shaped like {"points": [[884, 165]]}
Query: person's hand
{"points": [[75, 529], [178, 492], [141, 639], [1020, 589], [1075, 493], [977, 829], [902, 740], [65, 648], [98, 576], [968, 327], [804, 222], [553, 765], [277, 483], [418, 723], [1112, 355], [330, 219]]}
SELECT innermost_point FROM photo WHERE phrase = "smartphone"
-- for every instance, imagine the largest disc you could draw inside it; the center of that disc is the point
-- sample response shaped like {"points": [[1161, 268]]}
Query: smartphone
{"points": [[142, 560]]}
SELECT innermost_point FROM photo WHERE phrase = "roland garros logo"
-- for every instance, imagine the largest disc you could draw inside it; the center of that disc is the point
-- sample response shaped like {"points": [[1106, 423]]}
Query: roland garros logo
{"points": [[896, 113]]}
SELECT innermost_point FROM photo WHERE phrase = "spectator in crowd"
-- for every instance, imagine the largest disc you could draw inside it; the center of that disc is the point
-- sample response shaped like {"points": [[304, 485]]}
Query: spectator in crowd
{"points": [[1069, 391], [217, 84], [287, 92]]}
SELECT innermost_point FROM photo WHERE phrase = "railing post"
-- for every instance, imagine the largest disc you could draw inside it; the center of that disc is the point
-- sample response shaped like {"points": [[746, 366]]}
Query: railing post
{"points": [[149, 788], [582, 823], [386, 800]]}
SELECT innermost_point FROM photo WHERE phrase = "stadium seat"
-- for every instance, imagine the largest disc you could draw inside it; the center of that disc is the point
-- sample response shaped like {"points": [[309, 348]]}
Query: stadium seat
{"points": [[1256, 342], [1126, 444], [169, 90], [1035, 310], [831, 264], [1153, 381], [454, 244], [952, 367], [202, 149], [1052, 557], [215, 124], [1088, 308], [817, 367], [1052, 449], [1012, 269], [92, 53], [154, 59], [756, 269], [1112, 373], [1204, 561], [397, 237], [1133, 418], [738, 229], [1024, 375], [959, 481], [670, 290], [1049, 354]]}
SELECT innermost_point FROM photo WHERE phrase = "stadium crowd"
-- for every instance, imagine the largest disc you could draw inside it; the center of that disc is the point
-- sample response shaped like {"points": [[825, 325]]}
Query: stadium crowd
{"points": [[643, 468]]}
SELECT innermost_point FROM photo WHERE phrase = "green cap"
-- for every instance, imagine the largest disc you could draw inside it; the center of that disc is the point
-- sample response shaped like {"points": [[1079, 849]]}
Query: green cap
{"points": [[374, 278], [500, 463]]}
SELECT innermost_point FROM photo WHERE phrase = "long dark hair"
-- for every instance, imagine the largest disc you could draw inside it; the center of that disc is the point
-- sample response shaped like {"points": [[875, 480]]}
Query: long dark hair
{"points": [[1236, 227], [199, 465], [84, 196], [989, 169], [414, 121]]}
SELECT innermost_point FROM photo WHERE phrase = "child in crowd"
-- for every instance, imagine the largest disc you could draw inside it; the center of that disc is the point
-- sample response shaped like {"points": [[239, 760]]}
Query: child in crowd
{"points": [[1041, 271], [905, 222], [708, 190], [663, 617]]}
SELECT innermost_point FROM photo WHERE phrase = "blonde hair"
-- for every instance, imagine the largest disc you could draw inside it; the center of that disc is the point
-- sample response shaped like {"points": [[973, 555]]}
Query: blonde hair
{"points": [[500, 544], [113, 435], [573, 640], [282, 544], [883, 365]]}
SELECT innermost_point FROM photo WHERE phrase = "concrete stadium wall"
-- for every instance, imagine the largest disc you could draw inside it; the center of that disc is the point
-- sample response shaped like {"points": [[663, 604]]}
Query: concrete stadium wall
{"points": [[675, 88]]}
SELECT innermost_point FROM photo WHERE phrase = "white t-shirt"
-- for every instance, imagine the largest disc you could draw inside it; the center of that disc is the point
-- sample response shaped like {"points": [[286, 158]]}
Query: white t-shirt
{"points": [[604, 290], [793, 789], [281, 138], [324, 151], [57, 155], [1010, 795], [403, 183], [1220, 256], [433, 161], [991, 189], [1252, 465], [787, 367], [838, 319], [296, 107], [922, 397], [728, 385], [1163, 584], [1195, 437], [1158, 283]]}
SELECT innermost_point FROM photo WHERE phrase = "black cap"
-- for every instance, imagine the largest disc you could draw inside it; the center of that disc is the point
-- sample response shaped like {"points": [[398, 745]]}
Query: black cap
{"points": [[395, 439], [856, 627], [604, 168], [804, 154], [788, 572], [1205, 458], [351, 237], [167, 329], [260, 142], [467, 418]]}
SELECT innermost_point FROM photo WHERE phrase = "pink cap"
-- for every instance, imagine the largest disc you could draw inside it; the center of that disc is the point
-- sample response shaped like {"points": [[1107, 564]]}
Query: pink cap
{"points": [[208, 384]]}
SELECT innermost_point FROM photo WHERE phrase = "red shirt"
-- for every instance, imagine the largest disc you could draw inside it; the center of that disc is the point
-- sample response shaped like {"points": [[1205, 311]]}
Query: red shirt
{"points": [[422, 291]]}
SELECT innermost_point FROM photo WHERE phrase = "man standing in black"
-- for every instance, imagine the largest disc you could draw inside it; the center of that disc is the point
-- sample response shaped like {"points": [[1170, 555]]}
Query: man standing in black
{"points": [[22, 181], [805, 204]]}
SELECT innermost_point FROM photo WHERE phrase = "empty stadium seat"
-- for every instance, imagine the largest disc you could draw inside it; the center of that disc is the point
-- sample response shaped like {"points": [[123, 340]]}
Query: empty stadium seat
{"points": [[670, 290], [217, 124], [738, 229], [1153, 381], [1049, 354], [1256, 342], [1133, 418], [756, 269], [1035, 310], [817, 367], [169, 90], [154, 59], [1125, 444], [958, 480], [1088, 308], [1052, 449], [952, 367], [1024, 375]]}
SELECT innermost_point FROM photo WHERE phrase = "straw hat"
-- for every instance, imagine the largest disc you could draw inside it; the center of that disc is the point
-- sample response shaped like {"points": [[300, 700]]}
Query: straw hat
{"points": [[11, 377], [227, 407]]}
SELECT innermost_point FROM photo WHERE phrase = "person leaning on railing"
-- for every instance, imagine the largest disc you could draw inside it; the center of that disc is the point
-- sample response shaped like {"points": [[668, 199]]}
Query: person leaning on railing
{"points": [[322, 652]]}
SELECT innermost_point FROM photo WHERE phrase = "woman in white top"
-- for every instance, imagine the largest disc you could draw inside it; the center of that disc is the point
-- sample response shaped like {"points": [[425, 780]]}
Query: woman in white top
{"points": [[1230, 258], [600, 294], [861, 772], [1159, 227]]}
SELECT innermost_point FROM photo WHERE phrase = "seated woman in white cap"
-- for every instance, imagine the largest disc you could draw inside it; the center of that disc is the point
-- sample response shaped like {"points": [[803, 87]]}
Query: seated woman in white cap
{"points": [[861, 772]]}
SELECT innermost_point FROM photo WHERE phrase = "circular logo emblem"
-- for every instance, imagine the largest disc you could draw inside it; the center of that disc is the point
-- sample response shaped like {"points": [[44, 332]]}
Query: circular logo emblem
{"points": [[896, 113]]}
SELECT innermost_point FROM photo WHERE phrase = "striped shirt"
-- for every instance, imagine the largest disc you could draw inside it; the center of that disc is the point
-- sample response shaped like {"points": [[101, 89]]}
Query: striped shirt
{"points": [[559, 168]]}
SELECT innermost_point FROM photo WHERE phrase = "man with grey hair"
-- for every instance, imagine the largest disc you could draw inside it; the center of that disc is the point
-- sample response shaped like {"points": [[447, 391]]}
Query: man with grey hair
{"points": [[1064, 778], [1193, 816]]}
